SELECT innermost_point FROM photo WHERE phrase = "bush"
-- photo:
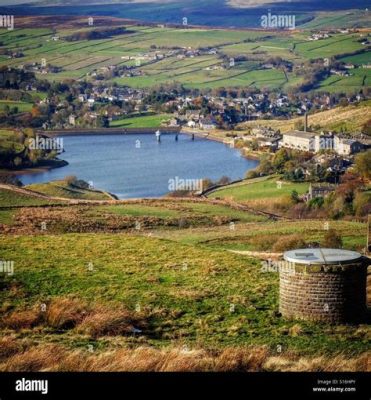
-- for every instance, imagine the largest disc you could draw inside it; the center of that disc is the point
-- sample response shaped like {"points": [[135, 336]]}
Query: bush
{"points": [[332, 239], [252, 174], [70, 179], [289, 243], [362, 204], [262, 242], [317, 202]]}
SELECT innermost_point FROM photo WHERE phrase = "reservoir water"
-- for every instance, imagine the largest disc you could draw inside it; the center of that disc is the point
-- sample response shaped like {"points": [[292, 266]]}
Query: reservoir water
{"points": [[132, 166]]}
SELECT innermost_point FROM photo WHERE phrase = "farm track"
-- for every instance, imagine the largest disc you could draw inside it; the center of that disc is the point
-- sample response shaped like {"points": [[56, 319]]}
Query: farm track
{"points": [[257, 254]]}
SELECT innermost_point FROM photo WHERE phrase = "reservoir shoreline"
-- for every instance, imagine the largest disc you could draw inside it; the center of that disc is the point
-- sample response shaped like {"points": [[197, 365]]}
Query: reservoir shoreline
{"points": [[76, 132]]}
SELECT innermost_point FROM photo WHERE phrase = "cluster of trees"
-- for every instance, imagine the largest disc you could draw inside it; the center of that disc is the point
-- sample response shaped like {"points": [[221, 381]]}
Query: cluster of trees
{"points": [[351, 197], [15, 153], [285, 161], [13, 79], [97, 34], [313, 72], [296, 166]]}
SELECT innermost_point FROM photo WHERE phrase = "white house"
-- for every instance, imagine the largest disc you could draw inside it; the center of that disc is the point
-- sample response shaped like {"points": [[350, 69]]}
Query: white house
{"points": [[299, 140], [347, 146]]}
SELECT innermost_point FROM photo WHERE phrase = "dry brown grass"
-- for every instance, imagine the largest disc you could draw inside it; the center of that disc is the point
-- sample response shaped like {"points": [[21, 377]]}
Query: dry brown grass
{"points": [[103, 321], [242, 359], [24, 319], [319, 364], [9, 347], [38, 358], [147, 359], [65, 313]]}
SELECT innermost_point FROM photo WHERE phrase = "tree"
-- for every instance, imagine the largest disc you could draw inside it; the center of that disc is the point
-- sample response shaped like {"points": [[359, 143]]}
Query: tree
{"points": [[280, 159], [363, 164]]}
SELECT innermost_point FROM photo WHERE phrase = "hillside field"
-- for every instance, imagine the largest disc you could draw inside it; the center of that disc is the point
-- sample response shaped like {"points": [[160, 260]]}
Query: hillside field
{"points": [[347, 119], [78, 59]]}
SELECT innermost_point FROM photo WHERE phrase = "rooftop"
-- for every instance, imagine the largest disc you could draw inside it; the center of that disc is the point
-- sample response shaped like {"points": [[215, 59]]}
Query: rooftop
{"points": [[301, 134], [321, 256]]}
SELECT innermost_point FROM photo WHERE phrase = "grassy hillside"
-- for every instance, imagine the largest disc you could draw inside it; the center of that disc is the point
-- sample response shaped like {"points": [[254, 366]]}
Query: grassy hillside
{"points": [[154, 280], [81, 58], [348, 119], [268, 236], [68, 190], [9, 198], [112, 291], [259, 189], [121, 217]]}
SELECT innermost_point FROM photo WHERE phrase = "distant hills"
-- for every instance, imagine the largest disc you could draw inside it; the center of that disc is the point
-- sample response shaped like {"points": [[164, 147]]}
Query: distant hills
{"points": [[276, 4]]}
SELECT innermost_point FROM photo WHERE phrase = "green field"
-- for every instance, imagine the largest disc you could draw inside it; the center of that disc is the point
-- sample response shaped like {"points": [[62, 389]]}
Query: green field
{"points": [[99, 276], [185, 293], [262, 236], [79, 59], [69, 191], [20, 105], [360, 77], [146, 121], [265, 188], [9, 198]]}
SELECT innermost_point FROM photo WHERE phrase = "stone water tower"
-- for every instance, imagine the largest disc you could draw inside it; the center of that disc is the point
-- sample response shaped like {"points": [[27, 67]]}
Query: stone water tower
{"points": [[326, 285]]}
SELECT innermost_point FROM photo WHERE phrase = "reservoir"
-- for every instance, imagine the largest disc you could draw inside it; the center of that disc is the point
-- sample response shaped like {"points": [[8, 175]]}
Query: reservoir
{"points": [[136, 165]]}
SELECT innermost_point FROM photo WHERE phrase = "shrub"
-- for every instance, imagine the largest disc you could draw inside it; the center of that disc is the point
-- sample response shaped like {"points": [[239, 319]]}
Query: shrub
{"points": [[70, 179], [332, 239], [288, 243], [263, 242], [252, 174], [362, 204]]}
